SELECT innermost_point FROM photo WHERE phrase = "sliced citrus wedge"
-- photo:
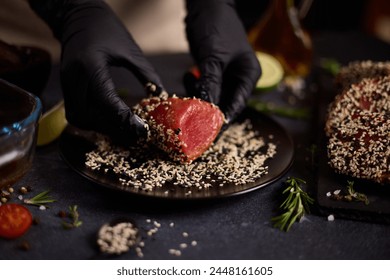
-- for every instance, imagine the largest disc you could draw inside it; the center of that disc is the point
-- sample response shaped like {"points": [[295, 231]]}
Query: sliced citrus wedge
{"points": [[51, 124], [272, 71]]}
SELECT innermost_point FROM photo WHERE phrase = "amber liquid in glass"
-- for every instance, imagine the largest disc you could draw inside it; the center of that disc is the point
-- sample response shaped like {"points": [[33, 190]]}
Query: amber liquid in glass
{"points": [[15, 155], [280, 34], [11, 171]]}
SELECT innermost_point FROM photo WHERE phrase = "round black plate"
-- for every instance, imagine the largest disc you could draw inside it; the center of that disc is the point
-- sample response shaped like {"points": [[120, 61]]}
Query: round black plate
{"points": [[74, 144]]}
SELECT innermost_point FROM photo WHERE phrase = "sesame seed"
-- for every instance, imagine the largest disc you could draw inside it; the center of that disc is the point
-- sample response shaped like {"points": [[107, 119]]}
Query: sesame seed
{"points": [[157, 224]]}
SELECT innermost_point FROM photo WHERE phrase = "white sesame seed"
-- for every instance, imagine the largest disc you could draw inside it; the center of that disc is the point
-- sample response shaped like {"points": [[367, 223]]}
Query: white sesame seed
{"points": [[157, 224], [331, 218]]}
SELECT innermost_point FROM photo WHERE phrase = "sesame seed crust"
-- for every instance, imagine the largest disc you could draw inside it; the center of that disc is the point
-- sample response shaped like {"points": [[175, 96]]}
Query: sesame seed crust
{"points": [[355, 71], [358, 124]]}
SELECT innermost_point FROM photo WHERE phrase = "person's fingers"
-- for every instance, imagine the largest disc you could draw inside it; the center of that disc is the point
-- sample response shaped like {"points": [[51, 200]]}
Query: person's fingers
{"points": [[208, 86], [92, 102], [239, 81], [134, 60]]}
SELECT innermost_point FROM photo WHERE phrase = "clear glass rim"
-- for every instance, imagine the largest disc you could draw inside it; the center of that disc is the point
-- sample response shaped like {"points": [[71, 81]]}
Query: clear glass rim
{"points": [[32, 118]]}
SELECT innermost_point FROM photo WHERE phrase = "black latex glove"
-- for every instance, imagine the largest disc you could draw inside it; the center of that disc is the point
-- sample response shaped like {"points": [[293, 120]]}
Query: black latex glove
{"points": [[93, 39], [228, 66]]}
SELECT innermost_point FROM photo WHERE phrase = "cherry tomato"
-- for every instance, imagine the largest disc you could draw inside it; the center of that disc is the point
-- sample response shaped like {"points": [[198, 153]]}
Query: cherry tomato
{"points": [[15, 220]]}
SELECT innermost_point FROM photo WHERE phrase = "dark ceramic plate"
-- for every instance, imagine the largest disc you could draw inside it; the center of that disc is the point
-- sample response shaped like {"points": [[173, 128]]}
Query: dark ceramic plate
{"points": [[74, 144]]}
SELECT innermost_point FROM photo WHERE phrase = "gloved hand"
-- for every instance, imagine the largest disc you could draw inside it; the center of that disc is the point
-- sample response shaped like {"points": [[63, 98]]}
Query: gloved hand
{"points": [[228, 66], [93, 39]]}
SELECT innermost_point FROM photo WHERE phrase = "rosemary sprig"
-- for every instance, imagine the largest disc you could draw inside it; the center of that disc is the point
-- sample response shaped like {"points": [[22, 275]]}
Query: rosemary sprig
{"points": [[356, 195], [296, 205], [74, 215], [41, 199], [349, 195]]}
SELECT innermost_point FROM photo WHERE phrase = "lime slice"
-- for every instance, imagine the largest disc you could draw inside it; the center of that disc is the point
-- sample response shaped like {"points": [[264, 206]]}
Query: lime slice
{"points": [[272, 71], [51, 124]]}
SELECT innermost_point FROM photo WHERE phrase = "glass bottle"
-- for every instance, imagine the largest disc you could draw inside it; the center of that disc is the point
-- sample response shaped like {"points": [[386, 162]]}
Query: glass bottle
{"points": [[280, 34]]}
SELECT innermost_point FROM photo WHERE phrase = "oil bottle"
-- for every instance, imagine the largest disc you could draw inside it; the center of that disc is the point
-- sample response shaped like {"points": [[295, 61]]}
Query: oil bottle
{"points": [[280, 34]]}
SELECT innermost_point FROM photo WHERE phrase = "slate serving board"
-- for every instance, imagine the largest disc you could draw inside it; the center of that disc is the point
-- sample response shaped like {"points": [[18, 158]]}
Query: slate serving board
{"points": [[378, 209]]}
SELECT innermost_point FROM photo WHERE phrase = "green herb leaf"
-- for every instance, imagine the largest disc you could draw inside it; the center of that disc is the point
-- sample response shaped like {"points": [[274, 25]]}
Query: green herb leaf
{"points": [[331, 65], [356, 195], [349, 195], [41, 199], [75, 217], [295, 206], [270, 108]]}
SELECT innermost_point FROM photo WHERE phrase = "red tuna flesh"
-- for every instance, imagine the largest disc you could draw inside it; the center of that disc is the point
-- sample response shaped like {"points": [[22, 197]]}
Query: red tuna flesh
{"points": [[183, 127]]}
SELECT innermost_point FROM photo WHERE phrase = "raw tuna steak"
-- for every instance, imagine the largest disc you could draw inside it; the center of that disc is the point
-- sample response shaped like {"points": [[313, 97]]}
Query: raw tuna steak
{"points": [[183, 127]]}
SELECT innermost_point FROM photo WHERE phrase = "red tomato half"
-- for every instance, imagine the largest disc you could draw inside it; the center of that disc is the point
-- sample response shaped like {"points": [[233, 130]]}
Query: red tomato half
{"points": [[15, 220]]}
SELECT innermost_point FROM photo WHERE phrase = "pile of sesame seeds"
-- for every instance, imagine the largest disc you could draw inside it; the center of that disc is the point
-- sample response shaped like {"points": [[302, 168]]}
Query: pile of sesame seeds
{"points": [[238, 157], [358, 129], [117, 239]]}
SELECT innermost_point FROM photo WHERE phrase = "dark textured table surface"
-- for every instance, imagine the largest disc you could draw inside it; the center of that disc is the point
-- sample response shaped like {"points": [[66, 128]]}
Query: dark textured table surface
{"points": [[231, 228]]}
